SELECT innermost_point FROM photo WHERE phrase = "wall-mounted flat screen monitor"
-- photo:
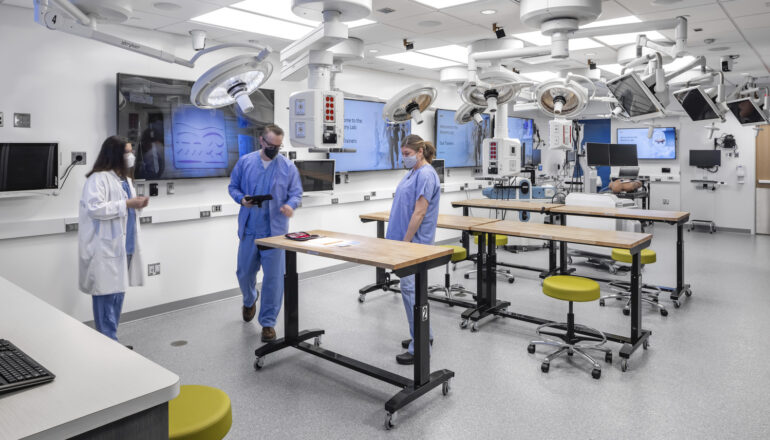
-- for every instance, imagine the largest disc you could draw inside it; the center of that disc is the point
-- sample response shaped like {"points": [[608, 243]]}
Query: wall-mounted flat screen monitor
{"points": [[377, 143], [316, 175], [705, 158], [623, 155], [460, 145], [662, 144], [438, 165], [635, 97], [597, 155], [173, 139], [698, 105], [747, 112], [530, 156], [29, 166]]}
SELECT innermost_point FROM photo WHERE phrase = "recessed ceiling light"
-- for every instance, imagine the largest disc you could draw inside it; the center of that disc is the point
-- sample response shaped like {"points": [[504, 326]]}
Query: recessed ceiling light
{"points": [[440, 4], [248, 22], [282, 9], [418, 59], [452, 52], [489, 11], [167, 6]]}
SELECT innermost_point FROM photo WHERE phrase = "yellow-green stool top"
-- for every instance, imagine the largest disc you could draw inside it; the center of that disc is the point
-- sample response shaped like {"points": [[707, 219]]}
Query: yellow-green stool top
{"points": [[571, 288], [624, 256], [199, 413], [500, 240], [458, 252]]}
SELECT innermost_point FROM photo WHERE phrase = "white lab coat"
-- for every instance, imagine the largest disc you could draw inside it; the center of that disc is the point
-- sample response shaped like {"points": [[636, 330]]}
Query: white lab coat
{"points": [[102, 259]]}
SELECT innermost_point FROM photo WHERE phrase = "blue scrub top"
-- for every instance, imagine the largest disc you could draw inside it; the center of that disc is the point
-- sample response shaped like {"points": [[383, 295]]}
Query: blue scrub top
{"points": [[258, 222], [421, 182], [130, 223]]}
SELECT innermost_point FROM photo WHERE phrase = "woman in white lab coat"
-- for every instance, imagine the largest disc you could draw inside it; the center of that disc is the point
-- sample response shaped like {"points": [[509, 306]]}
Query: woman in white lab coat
{"points": [[108, 233]]}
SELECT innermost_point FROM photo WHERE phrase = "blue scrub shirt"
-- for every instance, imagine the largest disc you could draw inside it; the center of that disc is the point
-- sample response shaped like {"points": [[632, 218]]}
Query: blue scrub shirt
{"points": [[130, 223], [420, 182], [258, 223]]}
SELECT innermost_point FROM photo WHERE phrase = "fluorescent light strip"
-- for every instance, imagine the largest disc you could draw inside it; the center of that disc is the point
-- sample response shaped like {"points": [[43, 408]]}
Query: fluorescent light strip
{"points": [[281, 9], [440, 4], [248, 22], [418, 59], [453, 52]]}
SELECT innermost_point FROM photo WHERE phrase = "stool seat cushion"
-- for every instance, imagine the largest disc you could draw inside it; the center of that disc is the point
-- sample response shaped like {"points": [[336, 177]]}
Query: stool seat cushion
{"points": [[458, 252], [624, 256], [500, 240], [571, 288], [199, 413]]}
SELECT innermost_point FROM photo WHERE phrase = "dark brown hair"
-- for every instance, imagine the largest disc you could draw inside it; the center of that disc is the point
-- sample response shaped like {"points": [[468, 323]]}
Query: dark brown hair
{"points": [[276, 130], [110, 157], [414, 143]]}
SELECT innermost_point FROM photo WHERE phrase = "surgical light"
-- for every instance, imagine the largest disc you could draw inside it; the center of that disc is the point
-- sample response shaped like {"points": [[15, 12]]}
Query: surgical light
{"points": [[467, 113], [231, 81], [409, 104], [563, 97]]}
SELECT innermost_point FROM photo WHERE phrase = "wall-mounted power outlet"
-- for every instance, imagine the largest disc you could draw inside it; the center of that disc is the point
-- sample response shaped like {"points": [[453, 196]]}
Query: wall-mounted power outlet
{"points": [[2, 121], [374, 193], [78, 157], [22, 120], [70, 227], [205, 214], [153, 269], [335, 201], [216, 208], [367, 197], [145, 220], [169, 187]]}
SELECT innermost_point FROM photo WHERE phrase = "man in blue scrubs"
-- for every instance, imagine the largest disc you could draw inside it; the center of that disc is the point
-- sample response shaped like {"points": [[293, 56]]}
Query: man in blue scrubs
{"points": [[260, 173]]}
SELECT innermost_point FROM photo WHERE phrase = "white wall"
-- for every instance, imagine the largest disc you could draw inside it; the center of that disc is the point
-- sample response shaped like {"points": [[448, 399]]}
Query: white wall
{"points": [[68, 86]]}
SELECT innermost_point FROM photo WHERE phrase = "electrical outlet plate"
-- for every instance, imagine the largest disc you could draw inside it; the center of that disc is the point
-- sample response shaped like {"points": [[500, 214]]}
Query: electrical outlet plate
{"points": [[366, 197], [216, 208], [2, 120], [70, 227], [22, 120], [169, 187], [205, 214], [75, 155], [145, 220]]}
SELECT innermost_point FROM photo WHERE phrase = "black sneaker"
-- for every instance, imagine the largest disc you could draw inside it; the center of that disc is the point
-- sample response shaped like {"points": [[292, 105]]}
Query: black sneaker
{"points": [[405, 343], [405, 358]]}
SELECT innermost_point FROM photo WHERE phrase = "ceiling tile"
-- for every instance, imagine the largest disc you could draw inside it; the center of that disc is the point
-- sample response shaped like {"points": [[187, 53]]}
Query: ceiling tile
{"points": [[377, 33], [740, 8], [188, 9], [149, 21], [184, 28], [507, 15], [639, 7], [464, 34], [425, 24], [754, 21], [403, 10]]}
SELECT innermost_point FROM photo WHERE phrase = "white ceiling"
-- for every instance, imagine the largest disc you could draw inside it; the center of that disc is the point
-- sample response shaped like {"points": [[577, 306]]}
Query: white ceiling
{"points": [[739, 27]]}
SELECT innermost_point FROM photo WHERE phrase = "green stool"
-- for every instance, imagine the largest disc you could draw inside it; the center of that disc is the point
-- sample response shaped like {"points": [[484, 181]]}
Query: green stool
{"points": [[458, 254], [622, 289], [500, 240], [199, 413], [571, 288]]}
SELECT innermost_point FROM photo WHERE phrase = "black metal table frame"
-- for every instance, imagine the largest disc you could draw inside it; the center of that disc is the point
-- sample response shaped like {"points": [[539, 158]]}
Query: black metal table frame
{"points": [[411, 389]]}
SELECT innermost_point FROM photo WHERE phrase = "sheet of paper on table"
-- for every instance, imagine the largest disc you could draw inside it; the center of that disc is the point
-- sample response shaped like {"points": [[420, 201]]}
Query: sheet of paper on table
{"points": [[330, 242]]}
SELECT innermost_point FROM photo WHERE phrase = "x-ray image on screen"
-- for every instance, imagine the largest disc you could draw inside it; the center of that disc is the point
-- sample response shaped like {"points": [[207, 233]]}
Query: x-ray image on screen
{"points": [[459, 145], [377, 143]]}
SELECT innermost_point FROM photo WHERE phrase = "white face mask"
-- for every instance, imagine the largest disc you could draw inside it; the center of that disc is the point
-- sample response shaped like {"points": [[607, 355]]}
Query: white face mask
{"points": [[409, 161], [130, 160]]}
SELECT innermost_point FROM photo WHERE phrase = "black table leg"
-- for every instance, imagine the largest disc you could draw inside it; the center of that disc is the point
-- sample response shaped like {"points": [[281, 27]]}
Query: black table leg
{"points": [[486, 285], [638, 336], [681, 287], [382, 278]]}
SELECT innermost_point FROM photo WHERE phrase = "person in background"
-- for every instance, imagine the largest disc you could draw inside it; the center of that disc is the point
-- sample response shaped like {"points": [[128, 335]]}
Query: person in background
{"points": [[108, 234], [413, 218], [260, 173]]}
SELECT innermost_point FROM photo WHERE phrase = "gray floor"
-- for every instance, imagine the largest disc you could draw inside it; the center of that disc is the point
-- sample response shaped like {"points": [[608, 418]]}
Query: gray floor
{"points": [[705, 374]]}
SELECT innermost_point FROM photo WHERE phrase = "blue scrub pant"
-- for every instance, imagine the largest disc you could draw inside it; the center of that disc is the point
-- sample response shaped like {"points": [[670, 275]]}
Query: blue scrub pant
{"points": [[272, 262], [107, 311], [407, 294]]}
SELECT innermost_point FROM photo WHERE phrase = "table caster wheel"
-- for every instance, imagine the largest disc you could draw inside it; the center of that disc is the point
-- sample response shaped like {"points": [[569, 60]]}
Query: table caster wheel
{"points": [[596, 373], [362, 297], [445, 388], [676, 304], [688, 292], [663, 312], [317, 341], [390, 420], [511, 280], [259, 363], [645, 345], [613, 270], [601, 303], [626, 311], [624, 365], [531, 348], [544, 367], [464, 323], [608, 357], [467, 276], [475, 327]]}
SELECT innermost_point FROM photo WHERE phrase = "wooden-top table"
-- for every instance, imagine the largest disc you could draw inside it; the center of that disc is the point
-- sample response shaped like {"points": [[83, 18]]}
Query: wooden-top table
{"points": [[486, 297], [511, 205], [678, 218], [402, 258]]}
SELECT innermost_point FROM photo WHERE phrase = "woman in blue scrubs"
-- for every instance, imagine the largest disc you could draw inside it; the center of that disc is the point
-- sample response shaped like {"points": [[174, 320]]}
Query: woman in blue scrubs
{"points": [[413, 217]]}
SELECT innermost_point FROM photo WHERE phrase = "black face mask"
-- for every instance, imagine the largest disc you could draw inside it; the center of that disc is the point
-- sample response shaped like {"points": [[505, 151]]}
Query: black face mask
{"points": [[270, 152]]}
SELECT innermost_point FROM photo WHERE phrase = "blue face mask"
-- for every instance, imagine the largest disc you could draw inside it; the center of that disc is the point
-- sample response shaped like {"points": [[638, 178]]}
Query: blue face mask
{"points": [[409, 161]]}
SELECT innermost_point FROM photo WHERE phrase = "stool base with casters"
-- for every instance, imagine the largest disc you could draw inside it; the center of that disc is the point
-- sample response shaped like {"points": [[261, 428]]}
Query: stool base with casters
{"points": [[500, 240], [458, 254], [621, 290]]}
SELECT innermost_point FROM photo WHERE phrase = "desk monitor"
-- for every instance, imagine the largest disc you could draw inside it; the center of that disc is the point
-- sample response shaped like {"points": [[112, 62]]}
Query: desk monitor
{"points": [[316, 175], [536, 157], [705, 158], [377, 143], [747, 112], [460, 145], [597, 155], [29, 166], [623, 155], [698, 105], [438, 165], [661, 145], [635, 97]]}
